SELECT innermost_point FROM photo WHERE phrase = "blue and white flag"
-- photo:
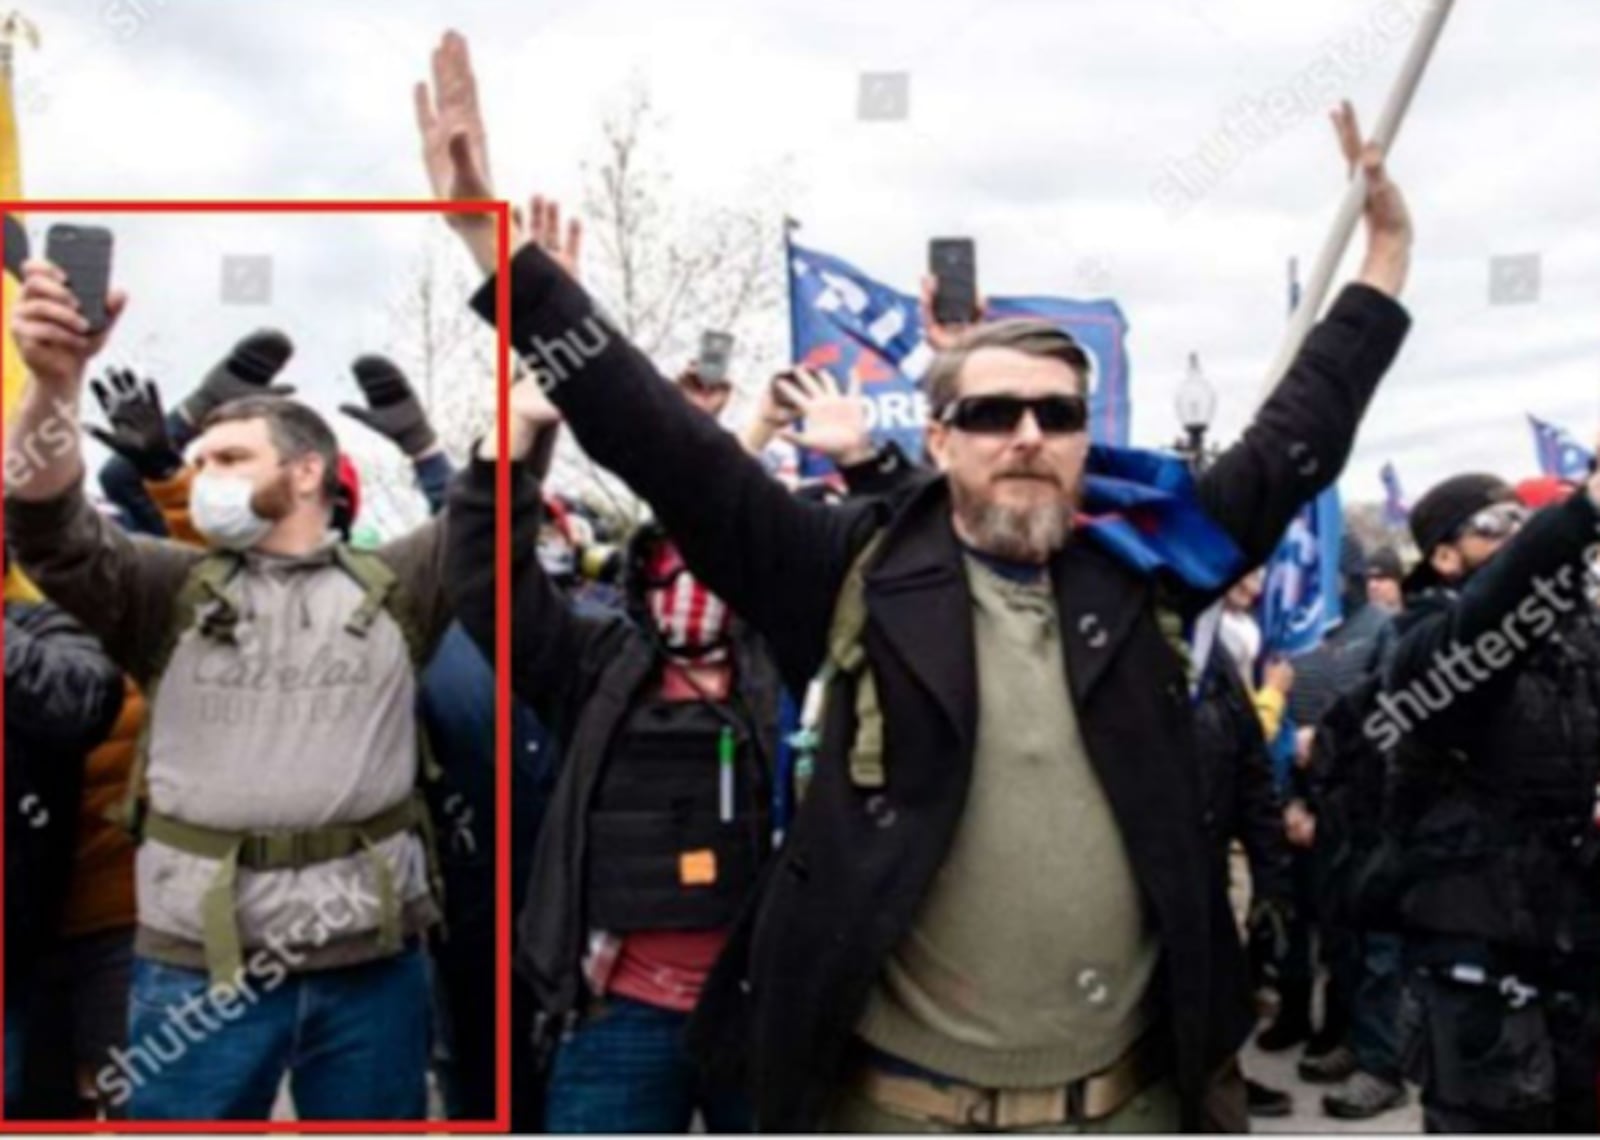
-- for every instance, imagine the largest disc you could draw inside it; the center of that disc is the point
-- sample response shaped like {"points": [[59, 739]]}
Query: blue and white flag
{"points": [[853, 326], [1396, 511], [1300, 599], [1559, 454]]}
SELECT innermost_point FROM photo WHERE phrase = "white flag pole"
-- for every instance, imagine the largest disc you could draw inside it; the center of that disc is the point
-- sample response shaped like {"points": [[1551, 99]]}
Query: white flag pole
{"points": [[1350, 209]]}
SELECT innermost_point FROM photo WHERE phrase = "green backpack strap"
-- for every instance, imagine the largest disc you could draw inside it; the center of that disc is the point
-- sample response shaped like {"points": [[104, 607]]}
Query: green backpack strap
{"points": [[847, 657], [206, 585], [384, 593]]}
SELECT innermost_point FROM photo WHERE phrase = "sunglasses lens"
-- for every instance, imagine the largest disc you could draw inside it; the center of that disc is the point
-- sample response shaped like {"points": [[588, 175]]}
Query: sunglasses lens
{"points": [[989, 415], [1000, 415], [1061, 414]]}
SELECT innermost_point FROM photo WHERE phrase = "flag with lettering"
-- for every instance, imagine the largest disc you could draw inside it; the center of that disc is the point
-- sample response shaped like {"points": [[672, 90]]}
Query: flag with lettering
{"points": [[854, 326]]}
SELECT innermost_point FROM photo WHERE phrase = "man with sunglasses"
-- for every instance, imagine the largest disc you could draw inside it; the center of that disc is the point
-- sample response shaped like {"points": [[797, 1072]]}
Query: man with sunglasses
{"points": [[997, 906], [1492, 705]]}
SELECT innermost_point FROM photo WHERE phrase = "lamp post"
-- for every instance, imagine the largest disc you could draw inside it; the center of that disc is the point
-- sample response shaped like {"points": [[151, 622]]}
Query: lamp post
{"points": [[1196, 404]]}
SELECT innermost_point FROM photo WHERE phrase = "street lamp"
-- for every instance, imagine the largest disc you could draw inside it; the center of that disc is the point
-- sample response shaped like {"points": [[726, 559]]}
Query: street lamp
{"points": [[1196, 404]]}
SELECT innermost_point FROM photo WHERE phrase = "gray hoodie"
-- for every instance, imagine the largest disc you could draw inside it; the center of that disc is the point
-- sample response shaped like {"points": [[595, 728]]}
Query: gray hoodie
{"points": [[296, 724]]}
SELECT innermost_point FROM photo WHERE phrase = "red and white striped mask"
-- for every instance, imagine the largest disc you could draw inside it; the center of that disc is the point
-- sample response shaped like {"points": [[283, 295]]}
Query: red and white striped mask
{"points": [[690, 618]]}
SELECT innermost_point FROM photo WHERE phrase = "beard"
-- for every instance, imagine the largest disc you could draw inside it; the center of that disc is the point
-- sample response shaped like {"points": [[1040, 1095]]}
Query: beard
{"points": [[274, 500], [1016, 534]]}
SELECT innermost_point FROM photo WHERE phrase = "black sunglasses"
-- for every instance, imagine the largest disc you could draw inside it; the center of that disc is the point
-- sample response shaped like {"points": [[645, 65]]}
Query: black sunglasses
{"points": [[1000, 415]]}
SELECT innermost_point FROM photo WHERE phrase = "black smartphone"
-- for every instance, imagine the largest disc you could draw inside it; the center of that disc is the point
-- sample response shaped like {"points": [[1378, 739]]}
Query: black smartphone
{"points": [[84, 254], [954, 262], [716, 353]]}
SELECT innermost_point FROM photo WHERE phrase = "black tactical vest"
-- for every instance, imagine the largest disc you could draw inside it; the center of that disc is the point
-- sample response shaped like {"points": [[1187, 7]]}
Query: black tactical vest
{"points": [[674, 844], [1501, 843]]}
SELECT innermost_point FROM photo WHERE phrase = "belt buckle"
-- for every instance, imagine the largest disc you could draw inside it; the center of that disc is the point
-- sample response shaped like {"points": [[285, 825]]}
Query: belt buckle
{"points": [[983, 1111]]}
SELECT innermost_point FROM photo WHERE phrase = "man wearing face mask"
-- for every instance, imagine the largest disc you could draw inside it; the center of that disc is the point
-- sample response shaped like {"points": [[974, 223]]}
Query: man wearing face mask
{"points": [[660, 820], [283, 880], [1492, 705]]}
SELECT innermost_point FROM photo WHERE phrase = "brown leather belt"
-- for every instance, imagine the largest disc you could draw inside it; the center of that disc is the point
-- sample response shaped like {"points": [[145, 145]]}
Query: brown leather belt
{"points": [[1094, 1097]]}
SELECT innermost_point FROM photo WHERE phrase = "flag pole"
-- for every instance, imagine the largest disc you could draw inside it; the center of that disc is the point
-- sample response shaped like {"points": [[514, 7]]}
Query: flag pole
{"points": [[790, 225], [1350, 209]]}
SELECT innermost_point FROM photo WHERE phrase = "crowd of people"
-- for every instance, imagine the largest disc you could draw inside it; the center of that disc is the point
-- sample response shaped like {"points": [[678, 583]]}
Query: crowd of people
{"points": [[905, 799]]}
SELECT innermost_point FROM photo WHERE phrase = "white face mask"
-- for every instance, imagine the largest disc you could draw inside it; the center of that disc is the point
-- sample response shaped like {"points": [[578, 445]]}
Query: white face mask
{"points": [[219, 506]]}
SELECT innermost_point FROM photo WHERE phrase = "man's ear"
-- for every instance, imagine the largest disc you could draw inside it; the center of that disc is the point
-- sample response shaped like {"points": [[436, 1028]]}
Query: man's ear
{"points": [[936, 441], [1446, 562]]}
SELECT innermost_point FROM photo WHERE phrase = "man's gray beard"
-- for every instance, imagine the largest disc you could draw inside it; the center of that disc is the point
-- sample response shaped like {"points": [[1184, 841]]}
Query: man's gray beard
{"points": [[1017, 535]]}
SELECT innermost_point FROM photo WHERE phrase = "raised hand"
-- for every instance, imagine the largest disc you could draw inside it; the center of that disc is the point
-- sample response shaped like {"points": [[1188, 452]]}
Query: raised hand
{"points": [[51, 332], [544, 230], [1388, 219], [138, 424], [835, 420], [455, 145], [393, 410], [249, 369]]}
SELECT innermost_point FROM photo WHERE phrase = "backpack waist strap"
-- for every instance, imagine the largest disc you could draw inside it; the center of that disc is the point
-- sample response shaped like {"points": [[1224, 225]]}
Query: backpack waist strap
{"points": [[284, 850]]}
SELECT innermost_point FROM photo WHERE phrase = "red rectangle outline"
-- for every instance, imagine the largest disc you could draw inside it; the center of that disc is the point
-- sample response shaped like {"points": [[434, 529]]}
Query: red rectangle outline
{"points": [[501, 211]]}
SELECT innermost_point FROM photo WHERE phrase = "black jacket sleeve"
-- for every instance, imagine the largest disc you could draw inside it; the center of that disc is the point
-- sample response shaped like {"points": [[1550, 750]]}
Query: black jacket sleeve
{"points": [[1485, 633], [887, 473], [62, 691], [555, 652], [777, 561], [1302, 436]]}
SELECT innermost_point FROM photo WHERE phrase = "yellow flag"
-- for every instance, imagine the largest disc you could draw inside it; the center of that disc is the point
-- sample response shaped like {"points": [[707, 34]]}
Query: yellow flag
{"points": [[10, 188]]}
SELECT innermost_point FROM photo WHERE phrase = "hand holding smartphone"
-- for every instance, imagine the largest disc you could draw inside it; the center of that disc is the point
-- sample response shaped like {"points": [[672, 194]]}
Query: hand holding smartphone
{"points": [[83, 253]]}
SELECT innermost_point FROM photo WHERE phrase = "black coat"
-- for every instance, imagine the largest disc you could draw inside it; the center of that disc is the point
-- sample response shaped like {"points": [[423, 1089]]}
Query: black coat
{"points": [[785, 998], [582, 675], [1236, 781], [1495, 786], [62, 696]]}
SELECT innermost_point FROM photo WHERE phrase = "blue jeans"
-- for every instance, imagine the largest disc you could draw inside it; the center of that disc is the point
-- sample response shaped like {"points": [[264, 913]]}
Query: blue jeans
{"points": [[353, 1041], [1375, 1016], [625, 1070]]}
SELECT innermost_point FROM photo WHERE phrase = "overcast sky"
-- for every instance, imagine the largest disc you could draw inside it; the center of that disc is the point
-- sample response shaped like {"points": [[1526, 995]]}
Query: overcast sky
{"points": [[1054, 132]]}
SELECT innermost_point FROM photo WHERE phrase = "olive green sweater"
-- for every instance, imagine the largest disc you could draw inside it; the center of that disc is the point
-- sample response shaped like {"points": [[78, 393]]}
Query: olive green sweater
{"points": [[1030, 961]]}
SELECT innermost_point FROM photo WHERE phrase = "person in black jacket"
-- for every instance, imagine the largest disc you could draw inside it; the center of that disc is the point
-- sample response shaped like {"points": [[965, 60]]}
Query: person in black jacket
{"points": [[916, 954], [1242, 804], [1492, 707], [661, 818], [62, 696]]}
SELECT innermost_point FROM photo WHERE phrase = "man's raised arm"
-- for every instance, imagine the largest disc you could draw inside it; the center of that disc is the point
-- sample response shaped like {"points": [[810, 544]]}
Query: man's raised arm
{"points": [[775, 560], [1302, 436], [120, 589]]}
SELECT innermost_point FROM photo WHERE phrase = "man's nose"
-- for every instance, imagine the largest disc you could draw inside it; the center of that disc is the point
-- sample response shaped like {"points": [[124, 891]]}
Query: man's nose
{"points": [[1027, 433]]}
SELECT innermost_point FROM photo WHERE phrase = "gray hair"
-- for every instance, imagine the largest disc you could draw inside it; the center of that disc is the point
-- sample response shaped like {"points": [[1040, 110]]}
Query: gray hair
{"points": [[296, 431], [1031, 336]]}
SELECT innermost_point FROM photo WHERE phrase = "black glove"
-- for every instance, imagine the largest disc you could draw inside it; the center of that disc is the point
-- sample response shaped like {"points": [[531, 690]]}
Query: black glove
{"points": [[138, 424], [392, 410], [247, 370]]}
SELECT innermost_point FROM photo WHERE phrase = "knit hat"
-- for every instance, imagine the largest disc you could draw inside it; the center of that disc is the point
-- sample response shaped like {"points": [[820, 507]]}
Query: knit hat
{"points": [[1441, 512]]}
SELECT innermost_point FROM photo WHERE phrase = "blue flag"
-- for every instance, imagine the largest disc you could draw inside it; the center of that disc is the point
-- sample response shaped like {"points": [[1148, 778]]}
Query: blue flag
{"points": [[851, 325], [1141, 506], [1300, 598], [1559, 454], [1396, 511]]}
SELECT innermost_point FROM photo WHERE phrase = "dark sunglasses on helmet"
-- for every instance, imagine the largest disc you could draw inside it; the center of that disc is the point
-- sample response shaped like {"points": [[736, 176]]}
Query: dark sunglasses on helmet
{"points": [[1497, 521], [1000, 415]]}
